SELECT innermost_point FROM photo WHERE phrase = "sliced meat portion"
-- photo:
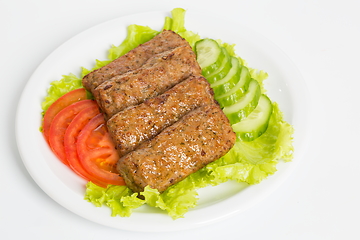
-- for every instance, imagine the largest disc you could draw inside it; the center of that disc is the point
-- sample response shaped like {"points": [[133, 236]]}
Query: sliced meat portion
{"points": [[188, 145], [135, 125], [134, 59], [134, 87]]}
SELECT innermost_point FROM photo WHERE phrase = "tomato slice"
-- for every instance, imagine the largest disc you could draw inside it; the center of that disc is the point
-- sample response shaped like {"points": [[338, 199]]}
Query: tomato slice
{"points": [[97, 152], [61, 122], [70, 138], [64, 101]]}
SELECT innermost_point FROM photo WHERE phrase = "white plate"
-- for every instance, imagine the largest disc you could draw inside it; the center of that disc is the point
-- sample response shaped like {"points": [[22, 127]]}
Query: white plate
{"points": [[285, 85]]}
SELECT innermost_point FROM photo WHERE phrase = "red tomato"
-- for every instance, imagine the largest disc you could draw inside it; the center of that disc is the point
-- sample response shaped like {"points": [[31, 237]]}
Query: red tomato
{"points": [[60, 123], [97, 152], [64, 101], [70, 138]]}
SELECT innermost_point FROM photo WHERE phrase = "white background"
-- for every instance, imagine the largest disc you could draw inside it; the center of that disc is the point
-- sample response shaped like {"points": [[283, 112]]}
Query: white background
{"points": [[320, 200]]}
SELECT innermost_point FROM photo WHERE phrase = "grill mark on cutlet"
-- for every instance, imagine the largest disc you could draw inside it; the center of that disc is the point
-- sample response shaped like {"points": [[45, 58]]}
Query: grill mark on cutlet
{"points": [[135, 125], [200, 137], [134, 59], [158, 75]]}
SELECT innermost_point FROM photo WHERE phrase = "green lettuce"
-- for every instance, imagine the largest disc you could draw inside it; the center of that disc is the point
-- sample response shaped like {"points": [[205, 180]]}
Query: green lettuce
{"points": [[251, 162], [136, 36], [177, 24], [248, 162], [59, 88]]}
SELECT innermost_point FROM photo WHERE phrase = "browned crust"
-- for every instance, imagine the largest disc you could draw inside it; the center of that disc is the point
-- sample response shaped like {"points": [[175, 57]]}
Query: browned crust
{"points": [[199, 138], [134, 59], [166, 70], [133, 126], [177, 143]]}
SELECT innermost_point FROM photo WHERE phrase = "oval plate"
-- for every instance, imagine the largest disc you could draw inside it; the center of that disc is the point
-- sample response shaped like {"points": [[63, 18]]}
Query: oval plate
{"points": [[285, 86]]}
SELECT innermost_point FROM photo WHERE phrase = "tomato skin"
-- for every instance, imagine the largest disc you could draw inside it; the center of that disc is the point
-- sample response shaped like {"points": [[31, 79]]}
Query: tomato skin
{"points": [[76, 132], [64, 101], [60, 124], [70, 138], [97, 152]]}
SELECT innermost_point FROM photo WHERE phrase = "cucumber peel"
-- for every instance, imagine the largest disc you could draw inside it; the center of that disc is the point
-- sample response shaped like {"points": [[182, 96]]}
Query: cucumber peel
{"points": [[209, 55], [242, 108], [236, 92], [256, 123], [225, 84], [240, 96], [223, 70]]}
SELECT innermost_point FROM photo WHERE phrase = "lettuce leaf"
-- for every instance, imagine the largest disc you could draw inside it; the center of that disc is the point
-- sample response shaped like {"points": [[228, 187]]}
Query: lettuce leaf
{"points": [[58, 88], [251, 162], [136, 36], [248, 162], [176, 200], [177, 24]]}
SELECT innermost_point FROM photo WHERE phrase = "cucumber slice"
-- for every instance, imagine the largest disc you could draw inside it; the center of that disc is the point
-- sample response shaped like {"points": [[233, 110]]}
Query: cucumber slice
{"points": [[224, 85], [223, 70], [209, 55], [256, 123], [236, 92], [241, 109]]}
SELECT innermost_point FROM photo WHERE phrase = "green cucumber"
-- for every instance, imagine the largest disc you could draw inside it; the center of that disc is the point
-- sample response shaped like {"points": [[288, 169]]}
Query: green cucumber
{"points": [[224, 85], [256, 123], [236, 92], [223, 70], [209, 55], [242, 108]]}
